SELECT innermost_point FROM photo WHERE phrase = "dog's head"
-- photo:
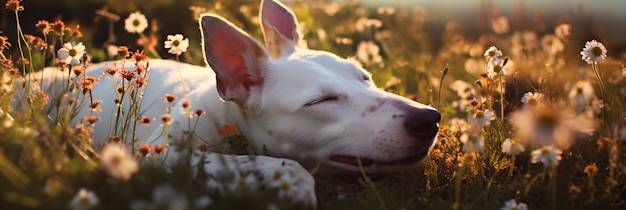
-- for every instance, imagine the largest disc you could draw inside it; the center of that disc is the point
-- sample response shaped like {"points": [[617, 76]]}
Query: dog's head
{"points": [[313, 106]]}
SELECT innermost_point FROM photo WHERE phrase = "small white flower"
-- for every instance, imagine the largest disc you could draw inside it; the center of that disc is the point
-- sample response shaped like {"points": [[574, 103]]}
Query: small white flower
{"points": [[472, 143], [285, 183], [552, 44], [249, 181], [495, 67], [513, 205], [369, 53], [492, 52], [84, 199], [203, 202], [532, 99], [581, 95], [483, 118], [177, 44], [118, 162], [166, 197], [622, 134], [363, 24], [500, 25], [547, 155], [136, 23], [458, 124], [512, 147], [464, 89], [71, 54], [594, 52], [563, 30]]}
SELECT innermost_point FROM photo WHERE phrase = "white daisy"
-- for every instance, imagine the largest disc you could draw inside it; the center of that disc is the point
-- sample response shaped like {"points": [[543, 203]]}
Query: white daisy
{"points": [[483, 118], [177, 44], [363, 24], [513, 205], [552, 44], [500, 25], [369, 53], [547, 155], [84, 199], [581, 95], [532, 99], [118, 162], [548, 125], [472, 142], [492, 52], [464, 89], [136, 23], [594, 52], [563, 30], [283, 182], [71, 54], [166, 197], [495, 67], [512, 147]]}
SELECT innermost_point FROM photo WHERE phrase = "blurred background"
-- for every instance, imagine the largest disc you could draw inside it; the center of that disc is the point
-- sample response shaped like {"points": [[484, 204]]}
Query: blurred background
{"points": [[600, 19]]}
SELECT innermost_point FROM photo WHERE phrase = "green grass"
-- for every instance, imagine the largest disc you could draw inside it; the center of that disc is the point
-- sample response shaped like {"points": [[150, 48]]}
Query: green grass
{"points": [[44, 160]]}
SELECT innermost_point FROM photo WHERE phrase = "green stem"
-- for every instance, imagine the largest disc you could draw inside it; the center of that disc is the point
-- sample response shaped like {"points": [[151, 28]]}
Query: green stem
{"points": [[457, 186], [602, 94], [371, 184], [501, 99], [553, 190]]}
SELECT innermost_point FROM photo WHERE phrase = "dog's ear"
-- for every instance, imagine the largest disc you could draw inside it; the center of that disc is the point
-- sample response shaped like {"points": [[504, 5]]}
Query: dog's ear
{"points": [[235, 57], [280, 28]]}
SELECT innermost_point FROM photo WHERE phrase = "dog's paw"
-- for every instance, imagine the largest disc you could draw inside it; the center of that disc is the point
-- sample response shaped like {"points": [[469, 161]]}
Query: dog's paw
{"points": [[230, 173]]}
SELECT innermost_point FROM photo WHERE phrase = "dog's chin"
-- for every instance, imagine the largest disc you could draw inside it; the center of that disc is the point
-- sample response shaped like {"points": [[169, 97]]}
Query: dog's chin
{"points": [[371, 165]]}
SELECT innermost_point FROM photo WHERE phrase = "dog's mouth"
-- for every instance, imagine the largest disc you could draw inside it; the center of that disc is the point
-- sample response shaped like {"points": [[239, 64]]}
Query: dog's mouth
{"points": [[366, 162]]}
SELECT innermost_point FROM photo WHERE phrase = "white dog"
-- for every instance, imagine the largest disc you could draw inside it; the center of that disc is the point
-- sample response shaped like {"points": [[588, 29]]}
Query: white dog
{"points": [[291, 102]]}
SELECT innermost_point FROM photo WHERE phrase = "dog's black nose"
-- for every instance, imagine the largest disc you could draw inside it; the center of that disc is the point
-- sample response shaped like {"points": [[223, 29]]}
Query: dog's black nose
{"points": [[422, 123]]}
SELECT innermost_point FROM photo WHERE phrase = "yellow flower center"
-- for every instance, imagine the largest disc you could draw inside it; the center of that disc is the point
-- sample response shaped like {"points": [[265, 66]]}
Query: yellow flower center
{"points": [[176, 43], [492, 53], [277, 175], [284, 185], [73, 52], [547, 120], [497, 69], [479, 115], [84, 200], [136, 22], [117, 160], [597, 51], [533, 102], [242, 181]]}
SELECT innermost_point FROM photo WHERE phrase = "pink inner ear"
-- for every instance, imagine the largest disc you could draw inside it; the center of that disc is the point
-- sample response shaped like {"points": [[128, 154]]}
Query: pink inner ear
{"points": [[278, 16], [233, 55], [227, 58]]}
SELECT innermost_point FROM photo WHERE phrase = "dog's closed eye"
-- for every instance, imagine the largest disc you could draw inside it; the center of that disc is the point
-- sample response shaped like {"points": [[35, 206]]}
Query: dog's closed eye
{"points": [[323, 99]]}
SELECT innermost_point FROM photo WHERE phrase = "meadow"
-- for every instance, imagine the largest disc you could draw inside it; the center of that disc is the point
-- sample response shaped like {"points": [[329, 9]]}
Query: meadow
{"points": [[533, 105]]}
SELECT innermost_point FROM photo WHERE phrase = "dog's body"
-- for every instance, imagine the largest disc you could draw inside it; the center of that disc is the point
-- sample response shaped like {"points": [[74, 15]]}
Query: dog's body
{"points": [[301, 104]]}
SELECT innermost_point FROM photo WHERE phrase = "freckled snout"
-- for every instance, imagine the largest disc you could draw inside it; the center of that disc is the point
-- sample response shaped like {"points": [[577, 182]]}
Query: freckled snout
{"points": [[422, 123]]}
